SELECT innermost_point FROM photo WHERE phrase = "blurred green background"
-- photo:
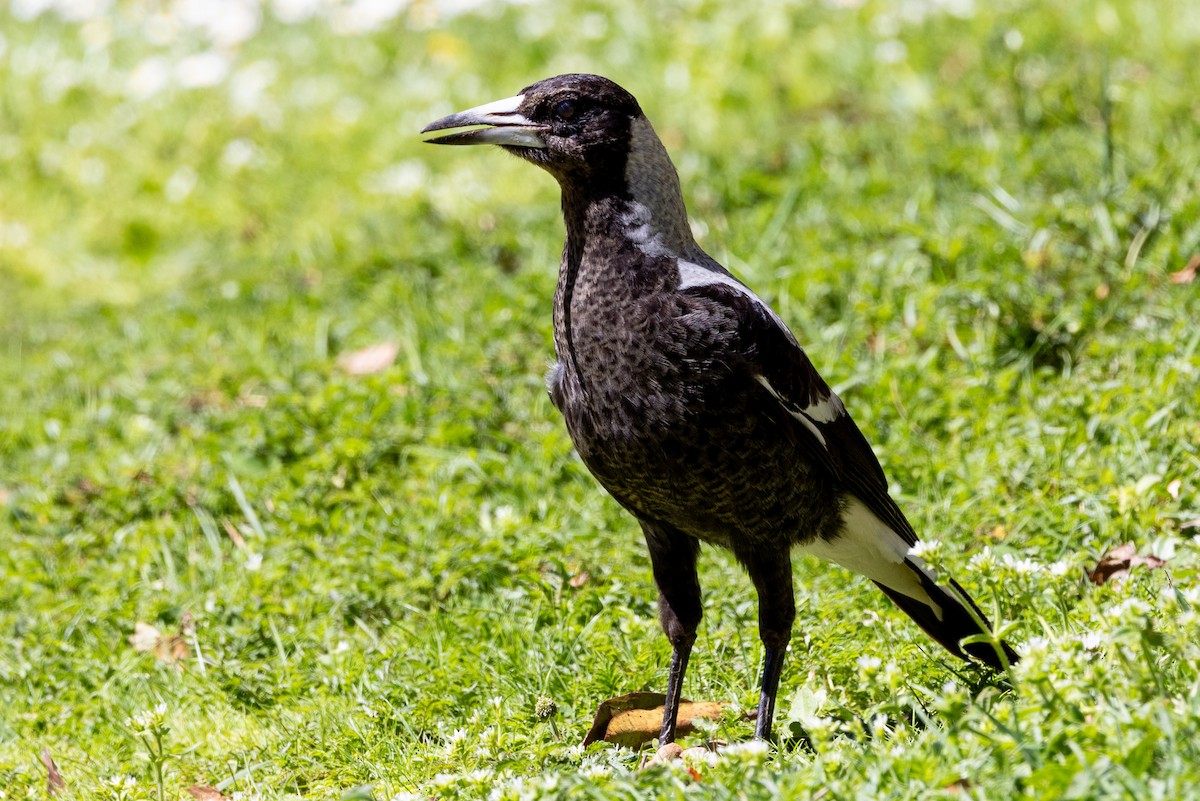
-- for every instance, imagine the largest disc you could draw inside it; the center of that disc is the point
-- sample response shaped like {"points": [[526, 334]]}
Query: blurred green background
{"points": [[980, 218]]}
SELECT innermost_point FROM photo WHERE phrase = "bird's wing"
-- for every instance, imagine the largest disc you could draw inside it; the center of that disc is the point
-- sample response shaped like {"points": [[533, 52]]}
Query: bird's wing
{"points": [[770, 355]]}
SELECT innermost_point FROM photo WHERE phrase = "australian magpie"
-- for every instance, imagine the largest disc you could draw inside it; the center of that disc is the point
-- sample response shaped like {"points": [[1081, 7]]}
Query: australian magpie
{"points": [[688, 397]]}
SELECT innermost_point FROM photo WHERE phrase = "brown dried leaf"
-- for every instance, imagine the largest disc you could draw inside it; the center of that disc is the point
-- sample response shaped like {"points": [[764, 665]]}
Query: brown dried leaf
{"points": [[145, 637], [579, 579], [999, 532], [1119, 561], [202, 792], [1188, 273], [172, 650], [234, 535], [636, 718], [666, 753], [371, 359], [54, 779]]}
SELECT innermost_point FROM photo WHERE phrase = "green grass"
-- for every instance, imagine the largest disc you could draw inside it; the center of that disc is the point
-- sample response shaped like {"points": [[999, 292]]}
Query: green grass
{"points": [[968, 212]]}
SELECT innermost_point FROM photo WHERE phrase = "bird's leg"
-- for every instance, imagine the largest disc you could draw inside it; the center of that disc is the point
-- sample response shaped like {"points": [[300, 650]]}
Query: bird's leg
{"points": [[772, 578], [673, 558]]}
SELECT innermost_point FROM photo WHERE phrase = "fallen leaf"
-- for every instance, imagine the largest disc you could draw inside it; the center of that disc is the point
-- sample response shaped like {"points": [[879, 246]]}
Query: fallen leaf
{"points": [[371, 359], [145, 637], [1119, 561], [668, 752], [172, 650], [206, 793], [234, 535], [579, 579], [54, 779], [1188, 273], [999, 532], [636, 718]]}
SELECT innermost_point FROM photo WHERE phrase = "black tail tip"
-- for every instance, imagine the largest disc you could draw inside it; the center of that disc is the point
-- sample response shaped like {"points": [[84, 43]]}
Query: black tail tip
{"points": [[999, 655]]}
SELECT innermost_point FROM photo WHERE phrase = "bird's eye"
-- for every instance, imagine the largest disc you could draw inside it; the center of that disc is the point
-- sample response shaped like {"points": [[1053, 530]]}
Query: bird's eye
{"points": [[566, 110]]}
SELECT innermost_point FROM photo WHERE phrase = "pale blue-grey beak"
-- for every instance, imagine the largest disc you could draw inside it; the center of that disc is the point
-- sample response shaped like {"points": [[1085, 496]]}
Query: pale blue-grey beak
{"points": [[505, 125]]}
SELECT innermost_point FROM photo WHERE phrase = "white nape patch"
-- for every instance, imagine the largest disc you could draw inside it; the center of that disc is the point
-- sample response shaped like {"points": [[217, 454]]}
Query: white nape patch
{"points": [[870, 547], [657, 210], [640, 228]]}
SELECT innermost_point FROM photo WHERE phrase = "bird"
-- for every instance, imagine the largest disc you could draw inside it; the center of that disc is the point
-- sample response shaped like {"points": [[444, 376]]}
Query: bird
{"points": [[691, 401]]}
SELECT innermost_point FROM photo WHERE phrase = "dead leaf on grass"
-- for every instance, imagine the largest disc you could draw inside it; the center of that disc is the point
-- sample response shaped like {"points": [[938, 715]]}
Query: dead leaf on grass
{"points": [[54, 779], [173, 650], [636, 718], [234, 535], [371, 359], [1188, 273], [206, 793], [1119, 561]]}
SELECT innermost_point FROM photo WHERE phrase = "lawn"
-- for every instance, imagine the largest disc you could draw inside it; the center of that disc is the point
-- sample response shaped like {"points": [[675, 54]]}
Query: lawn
{"points": [[236, 557]]}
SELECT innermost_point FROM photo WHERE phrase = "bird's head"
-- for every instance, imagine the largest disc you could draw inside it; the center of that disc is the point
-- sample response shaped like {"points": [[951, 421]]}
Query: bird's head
{"points": [[574, 126]]}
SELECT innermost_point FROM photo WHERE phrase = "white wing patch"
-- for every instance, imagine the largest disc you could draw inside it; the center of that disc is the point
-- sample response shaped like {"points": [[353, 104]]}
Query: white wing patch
{"points": [[826, 410], [801, 416], [870, 547]]}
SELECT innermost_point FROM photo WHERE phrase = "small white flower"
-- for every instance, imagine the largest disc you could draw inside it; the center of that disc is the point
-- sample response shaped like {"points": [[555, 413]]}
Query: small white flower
{"points": [[751, 751], [869, 664], [180, 184], [1092, 640], [984, 561], [926, 549], [202, 70]]}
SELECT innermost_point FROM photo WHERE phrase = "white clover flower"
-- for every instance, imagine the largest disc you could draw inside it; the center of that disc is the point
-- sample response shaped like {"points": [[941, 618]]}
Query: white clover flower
{"points": [[444, 781], [984, 561], [481, 775], [1020, 565], [202, 70], [753, 752], [1060, 568], [869, 664], [926, 549], [148, 78], [1034, 647], [180, 184], [1130, 607]]}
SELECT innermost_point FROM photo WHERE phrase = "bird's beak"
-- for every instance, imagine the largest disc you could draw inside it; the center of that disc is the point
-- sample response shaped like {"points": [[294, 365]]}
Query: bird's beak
{"points": [[505, 126]]}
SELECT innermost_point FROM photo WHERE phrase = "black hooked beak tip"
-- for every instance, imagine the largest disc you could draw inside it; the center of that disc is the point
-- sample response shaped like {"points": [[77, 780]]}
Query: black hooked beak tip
{"points": [[505, 125]]}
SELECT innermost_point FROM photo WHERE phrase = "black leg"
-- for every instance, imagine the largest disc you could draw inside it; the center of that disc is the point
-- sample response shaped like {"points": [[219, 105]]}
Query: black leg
{"points": [[673, 558], [772, 578]]}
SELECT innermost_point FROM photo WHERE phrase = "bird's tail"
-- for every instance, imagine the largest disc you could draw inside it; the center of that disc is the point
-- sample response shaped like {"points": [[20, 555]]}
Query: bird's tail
{"points": [[961, 618]]}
